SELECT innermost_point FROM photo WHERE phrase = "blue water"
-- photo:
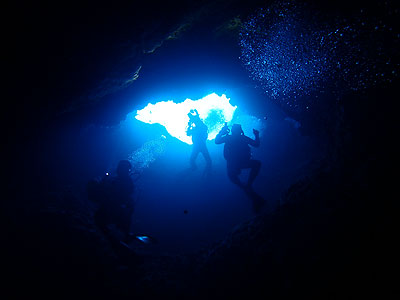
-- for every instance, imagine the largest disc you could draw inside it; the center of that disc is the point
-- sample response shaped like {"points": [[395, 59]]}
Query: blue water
{"points": [[183, 209]]}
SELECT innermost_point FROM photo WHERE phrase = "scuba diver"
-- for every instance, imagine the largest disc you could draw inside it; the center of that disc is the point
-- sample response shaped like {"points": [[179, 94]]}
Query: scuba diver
{"points": [[199, 133], [114, 195], [238, 154]]}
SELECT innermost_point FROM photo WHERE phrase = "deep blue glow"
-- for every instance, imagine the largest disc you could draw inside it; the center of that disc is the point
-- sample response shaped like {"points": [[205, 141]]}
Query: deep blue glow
{"points": [[214, 110]]}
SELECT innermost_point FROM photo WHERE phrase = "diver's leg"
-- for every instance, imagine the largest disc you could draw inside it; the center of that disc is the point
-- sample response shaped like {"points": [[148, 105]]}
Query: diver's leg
{"points": [[233, 175], [100, 219], [255, 166], [125, 220], [207, 157], [193, 156], [125, 224]]}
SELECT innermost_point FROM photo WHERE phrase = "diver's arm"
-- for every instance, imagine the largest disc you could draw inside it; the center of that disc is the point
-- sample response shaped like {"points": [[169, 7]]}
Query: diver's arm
{"points": [[222, 135], [256, 141], [220, 138], [189, 130]]}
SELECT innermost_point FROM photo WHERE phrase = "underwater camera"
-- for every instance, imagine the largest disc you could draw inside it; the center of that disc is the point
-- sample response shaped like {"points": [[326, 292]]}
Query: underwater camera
{"points": [[193, 113], [225, 130], [193, 117]]}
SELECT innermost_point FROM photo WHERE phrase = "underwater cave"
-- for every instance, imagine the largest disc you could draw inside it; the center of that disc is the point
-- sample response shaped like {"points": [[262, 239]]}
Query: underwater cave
{"points": [[129, 175]]}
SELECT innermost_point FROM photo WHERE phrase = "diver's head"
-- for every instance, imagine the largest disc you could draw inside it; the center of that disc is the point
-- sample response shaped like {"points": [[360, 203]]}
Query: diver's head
{"points": [[193, 115], [124, 168], [237, 129]]}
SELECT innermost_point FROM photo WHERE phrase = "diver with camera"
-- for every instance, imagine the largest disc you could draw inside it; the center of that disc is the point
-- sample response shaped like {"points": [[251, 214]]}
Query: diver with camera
{"points": [[238, 153], [199, 133], [225, 130]]}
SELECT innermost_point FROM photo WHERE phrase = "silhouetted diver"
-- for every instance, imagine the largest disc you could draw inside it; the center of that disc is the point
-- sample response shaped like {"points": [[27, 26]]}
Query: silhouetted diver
{"points": [[114, 195], [199, 133], [238, 156]]}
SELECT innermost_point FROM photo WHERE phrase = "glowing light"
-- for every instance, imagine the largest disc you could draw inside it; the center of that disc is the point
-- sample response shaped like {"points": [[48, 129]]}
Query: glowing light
{"points": [[214, 110], [143, 238]]}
